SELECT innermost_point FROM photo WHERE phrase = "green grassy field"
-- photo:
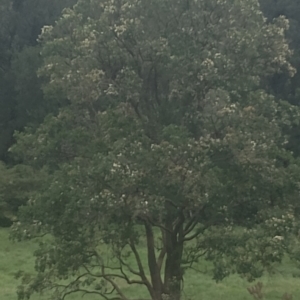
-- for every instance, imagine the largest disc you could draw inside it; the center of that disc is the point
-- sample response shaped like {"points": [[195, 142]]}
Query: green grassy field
{"points": [[16, 256]]}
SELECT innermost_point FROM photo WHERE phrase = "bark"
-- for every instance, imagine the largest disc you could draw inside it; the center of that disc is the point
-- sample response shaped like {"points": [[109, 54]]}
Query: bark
{"points": [[173, 271], [173, 240], [174, 251], [152, 263]]}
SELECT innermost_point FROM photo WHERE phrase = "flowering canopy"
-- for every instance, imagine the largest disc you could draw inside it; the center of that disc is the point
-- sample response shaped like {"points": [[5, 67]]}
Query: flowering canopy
{"points": [[168, 136]]}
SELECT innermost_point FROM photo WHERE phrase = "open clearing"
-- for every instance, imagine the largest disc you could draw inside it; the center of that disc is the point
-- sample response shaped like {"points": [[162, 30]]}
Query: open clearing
{"points": [[19, 256]]}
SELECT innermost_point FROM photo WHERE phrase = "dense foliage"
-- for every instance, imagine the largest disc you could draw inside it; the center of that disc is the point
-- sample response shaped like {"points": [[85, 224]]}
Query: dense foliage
{"points": [[162, 132], [22, 102]]}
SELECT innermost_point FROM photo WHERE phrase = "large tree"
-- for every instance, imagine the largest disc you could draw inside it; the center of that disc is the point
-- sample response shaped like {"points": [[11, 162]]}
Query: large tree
{"points": [[167, 139]]}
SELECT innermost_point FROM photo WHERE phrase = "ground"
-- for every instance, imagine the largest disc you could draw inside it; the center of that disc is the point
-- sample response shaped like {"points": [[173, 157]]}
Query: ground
{"points": [[16, 256]]}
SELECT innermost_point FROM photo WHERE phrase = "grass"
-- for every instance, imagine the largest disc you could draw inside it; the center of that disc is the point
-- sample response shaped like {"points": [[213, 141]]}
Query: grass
{"points": [[16, 256]]}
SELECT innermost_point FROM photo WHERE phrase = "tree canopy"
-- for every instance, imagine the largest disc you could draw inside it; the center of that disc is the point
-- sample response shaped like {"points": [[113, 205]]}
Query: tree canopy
{"points": [[165, 135]]}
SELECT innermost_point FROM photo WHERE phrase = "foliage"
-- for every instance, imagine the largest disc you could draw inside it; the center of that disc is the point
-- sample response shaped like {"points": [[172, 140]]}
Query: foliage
{"points": [[167, 135], [16, 186]]}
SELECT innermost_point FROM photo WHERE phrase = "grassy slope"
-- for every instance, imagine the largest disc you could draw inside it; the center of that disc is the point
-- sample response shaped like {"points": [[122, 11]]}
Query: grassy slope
{"points": [[16, 256]]}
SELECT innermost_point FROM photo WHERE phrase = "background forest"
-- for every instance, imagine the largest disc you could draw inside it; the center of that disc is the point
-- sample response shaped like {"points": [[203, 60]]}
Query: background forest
{"points": [[155, 182]]}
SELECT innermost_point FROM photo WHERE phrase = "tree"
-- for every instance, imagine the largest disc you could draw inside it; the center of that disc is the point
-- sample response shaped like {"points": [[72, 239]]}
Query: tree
{"points": [[167, 139]]}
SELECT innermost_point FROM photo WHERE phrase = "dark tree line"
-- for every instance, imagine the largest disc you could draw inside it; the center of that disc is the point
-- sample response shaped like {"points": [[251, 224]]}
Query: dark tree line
{"points": [[21, 99], [281, 85], [22, 102]]}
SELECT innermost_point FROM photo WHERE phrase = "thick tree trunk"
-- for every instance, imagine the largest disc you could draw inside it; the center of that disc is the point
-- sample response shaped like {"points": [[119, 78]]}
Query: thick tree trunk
{"points": [[172, 235], [173, 273], [152, 263], [173, 270]]}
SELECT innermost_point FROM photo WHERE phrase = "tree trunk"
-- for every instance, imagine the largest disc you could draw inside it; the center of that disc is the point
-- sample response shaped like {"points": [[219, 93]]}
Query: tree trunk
{"points": [[173, 274], [152, 264], [173, 270]]}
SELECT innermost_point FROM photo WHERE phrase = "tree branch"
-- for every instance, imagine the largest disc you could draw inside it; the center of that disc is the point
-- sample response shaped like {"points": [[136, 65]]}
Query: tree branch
{"points": [[179, 222], [104, 275], [122, 262], [192, 222], [89, 292], [130, 281], [140, 266], [123, 297], [158, 225], [152, 263], [161, 257], [193, 236]]}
